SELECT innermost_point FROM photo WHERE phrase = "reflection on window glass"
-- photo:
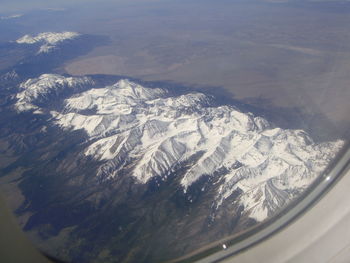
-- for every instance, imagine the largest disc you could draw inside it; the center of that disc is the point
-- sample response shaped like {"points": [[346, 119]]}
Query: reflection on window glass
{"points": [[145, 131]]}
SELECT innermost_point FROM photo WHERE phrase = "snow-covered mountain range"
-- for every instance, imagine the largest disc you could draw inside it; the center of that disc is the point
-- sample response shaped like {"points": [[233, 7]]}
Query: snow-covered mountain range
{"points": [[49, 40], [152, 133], [39, 90]]}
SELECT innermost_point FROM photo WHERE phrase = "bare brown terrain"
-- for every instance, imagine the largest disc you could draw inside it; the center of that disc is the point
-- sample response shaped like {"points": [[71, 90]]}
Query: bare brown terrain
{"points": [[285, 55], [290, 59]]}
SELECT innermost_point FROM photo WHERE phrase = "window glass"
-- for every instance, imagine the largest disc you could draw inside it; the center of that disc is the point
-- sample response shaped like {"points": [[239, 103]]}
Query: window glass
{"points": [[144, 131]]}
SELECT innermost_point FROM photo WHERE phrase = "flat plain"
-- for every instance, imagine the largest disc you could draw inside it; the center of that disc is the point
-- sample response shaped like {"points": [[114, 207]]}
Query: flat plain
{"points": [[293, 56]]}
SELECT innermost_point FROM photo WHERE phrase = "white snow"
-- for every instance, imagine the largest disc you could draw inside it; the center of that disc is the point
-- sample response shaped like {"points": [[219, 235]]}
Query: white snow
{"points": [[42, 88], [11, 17], [153, 134], [49, 40]]}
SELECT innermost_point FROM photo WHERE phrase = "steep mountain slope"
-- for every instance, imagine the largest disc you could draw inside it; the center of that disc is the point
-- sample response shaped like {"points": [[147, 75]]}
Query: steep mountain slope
{"points": [[152, 134], [44, 88]]}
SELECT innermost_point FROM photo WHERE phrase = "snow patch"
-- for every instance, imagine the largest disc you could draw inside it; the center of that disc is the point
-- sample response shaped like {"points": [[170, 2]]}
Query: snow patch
{"points": [[152, 134], [43, 88], [49, 40]]}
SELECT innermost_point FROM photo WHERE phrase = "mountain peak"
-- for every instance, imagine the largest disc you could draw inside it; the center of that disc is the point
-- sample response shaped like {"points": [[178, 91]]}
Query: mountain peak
{"points": [[153, 134], [41, 89], [135, 91], [49, 40]]}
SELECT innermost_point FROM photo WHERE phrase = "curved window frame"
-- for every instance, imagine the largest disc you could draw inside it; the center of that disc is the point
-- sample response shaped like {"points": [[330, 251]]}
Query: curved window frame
{"points": [[233, 245]]}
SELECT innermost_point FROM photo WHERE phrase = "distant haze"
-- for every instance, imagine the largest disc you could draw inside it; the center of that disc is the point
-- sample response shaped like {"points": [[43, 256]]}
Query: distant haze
{"points": [[23, 5], [293, 55]]}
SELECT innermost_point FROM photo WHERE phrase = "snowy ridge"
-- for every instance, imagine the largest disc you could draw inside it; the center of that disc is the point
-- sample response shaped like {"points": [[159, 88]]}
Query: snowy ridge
{"points": [[9, 76], [41, 89], [269, 166], [49, 40], [11, 17], [152, 134]]}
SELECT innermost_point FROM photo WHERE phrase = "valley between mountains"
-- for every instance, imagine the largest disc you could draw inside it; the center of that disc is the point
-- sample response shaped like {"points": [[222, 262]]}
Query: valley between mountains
{"points": [[113, 169]]}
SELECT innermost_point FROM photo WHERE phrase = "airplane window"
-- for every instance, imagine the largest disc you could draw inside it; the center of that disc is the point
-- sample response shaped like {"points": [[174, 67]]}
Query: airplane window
{"points": [[166, 131]]}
